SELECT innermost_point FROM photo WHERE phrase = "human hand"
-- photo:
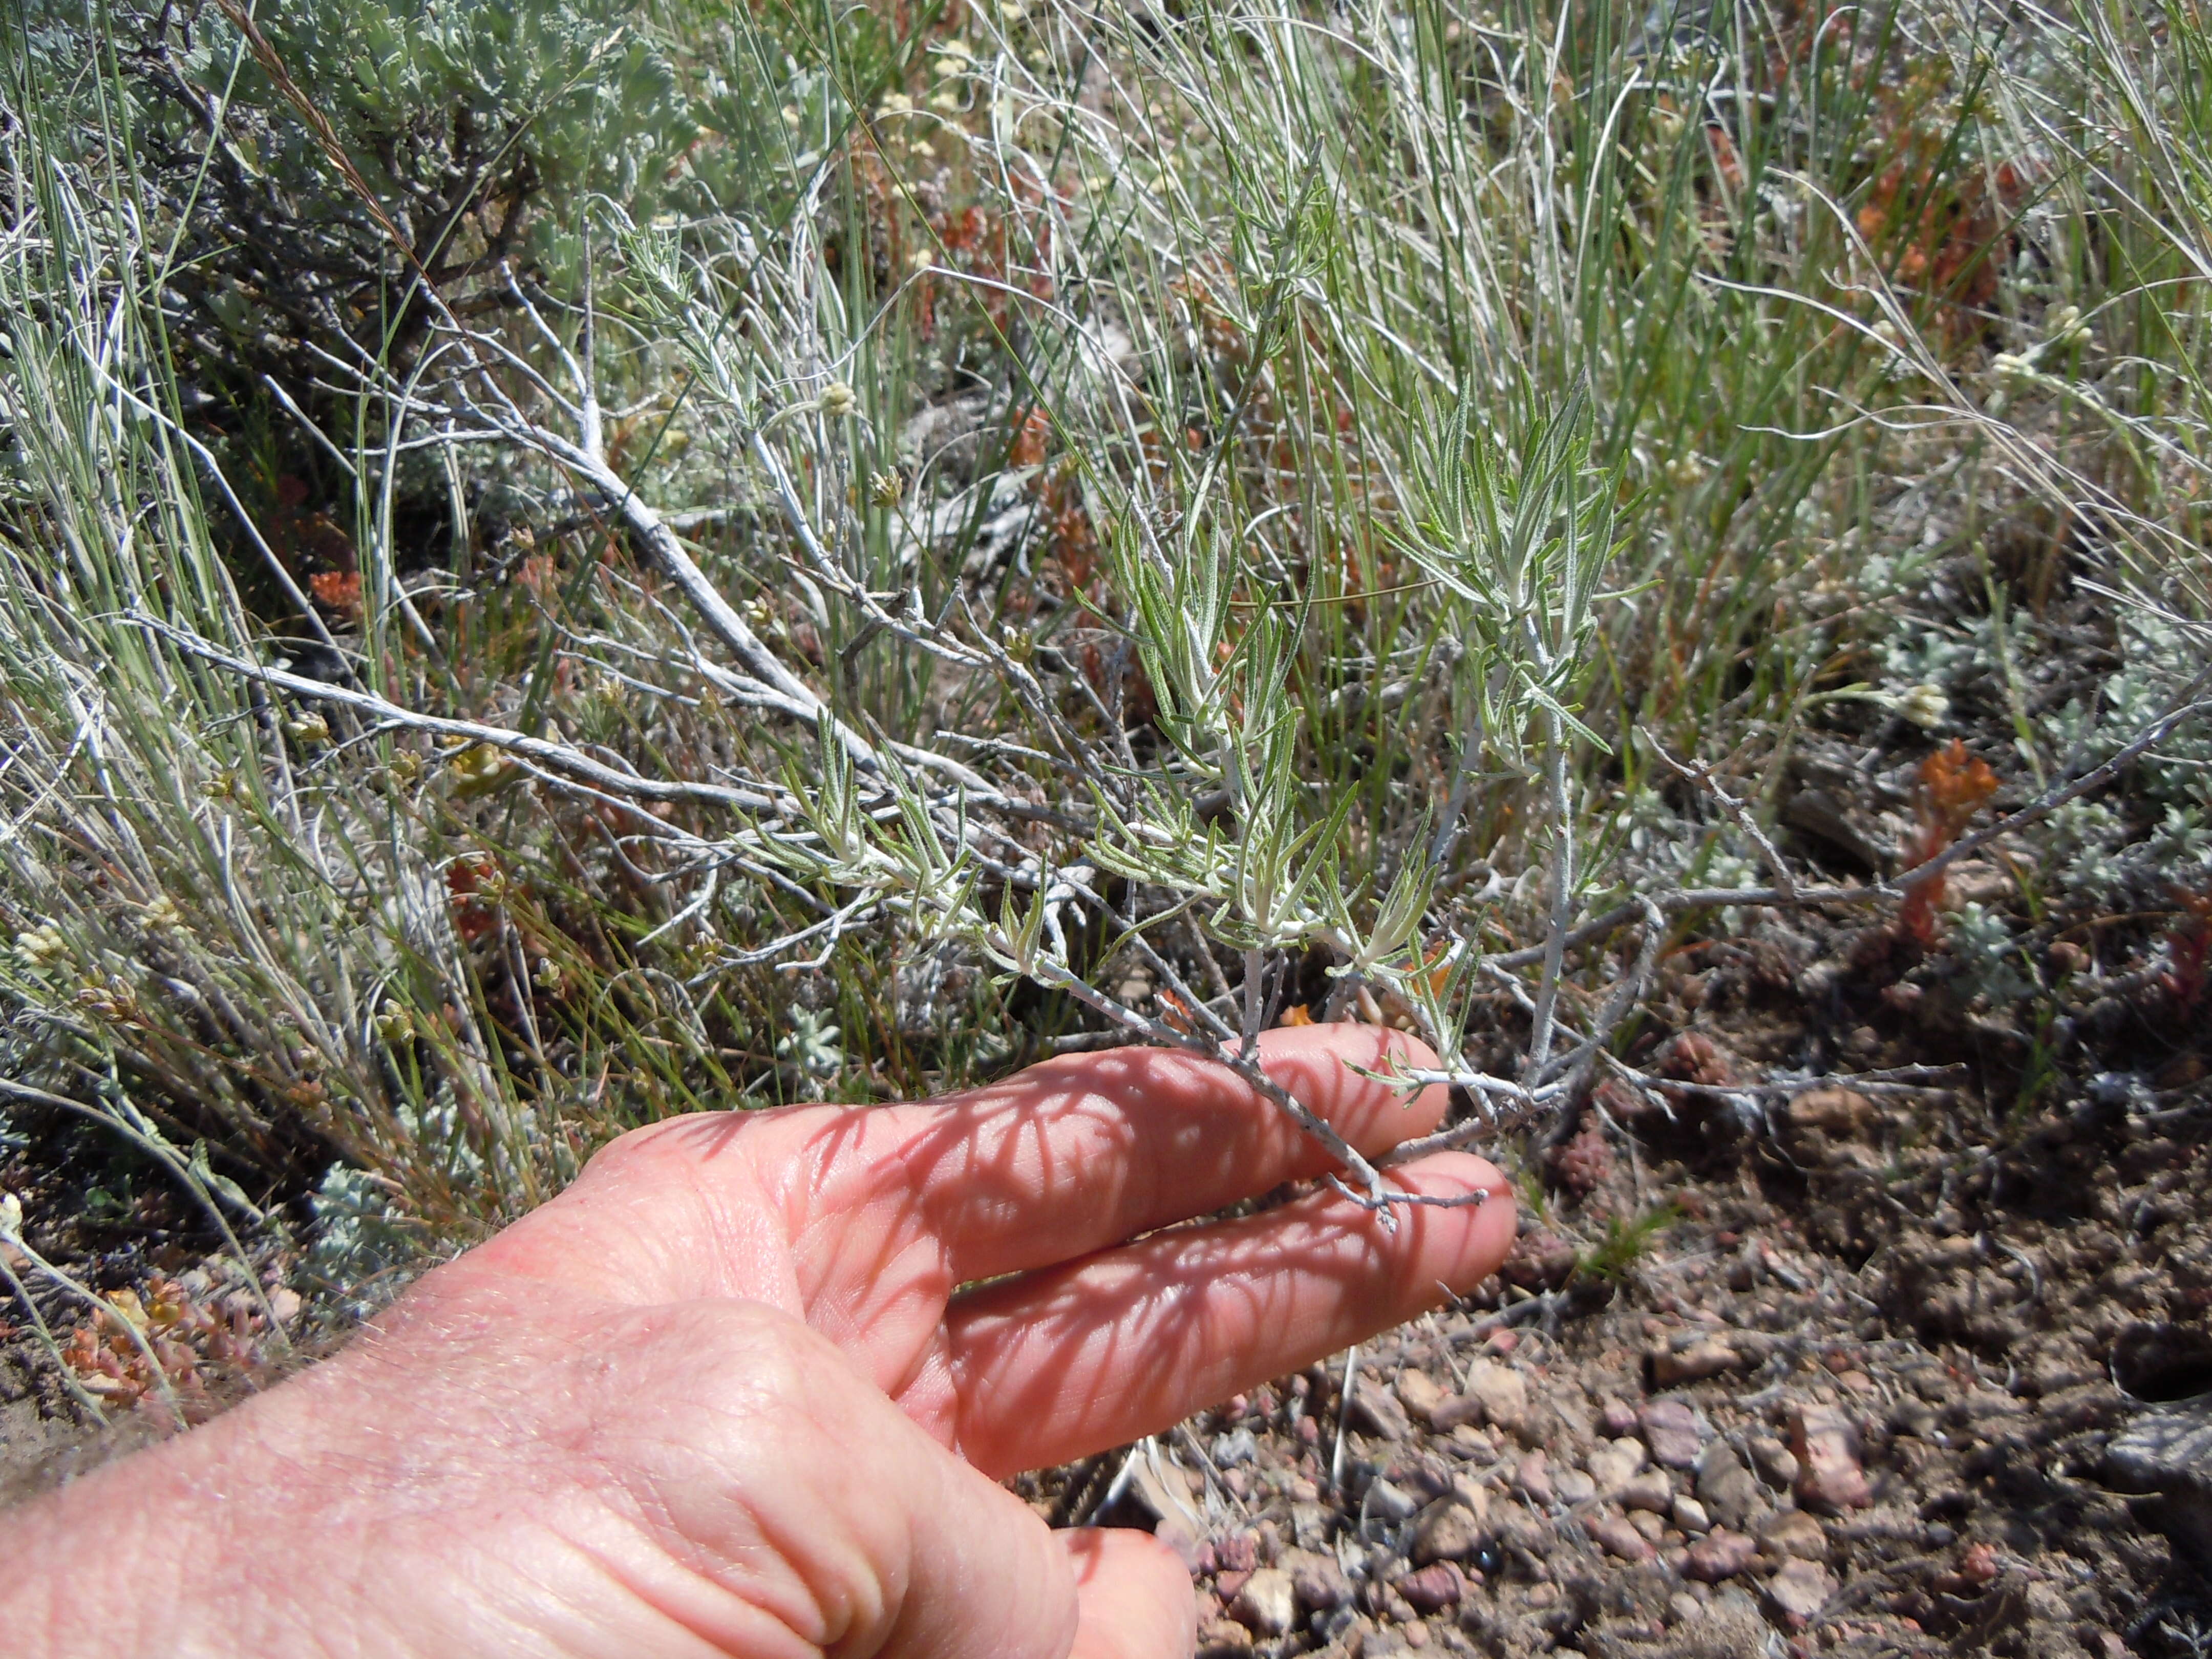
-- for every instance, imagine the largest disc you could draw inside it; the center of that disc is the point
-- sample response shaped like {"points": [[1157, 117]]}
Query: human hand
{"points": [[726, 1395]]}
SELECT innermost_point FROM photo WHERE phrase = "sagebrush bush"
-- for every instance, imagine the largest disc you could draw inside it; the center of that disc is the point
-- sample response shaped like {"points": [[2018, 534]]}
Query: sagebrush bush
{"points": [[570, 563]]}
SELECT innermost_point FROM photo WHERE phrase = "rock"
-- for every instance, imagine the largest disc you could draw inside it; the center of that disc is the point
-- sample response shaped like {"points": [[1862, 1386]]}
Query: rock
{"points": [[1650, 1491], [1420, 1394], [1317, 1583], [1468, 1490], [1719, 1555], [1454, 1411], [1239, 1552], [1267, 1605], [1800, 1589], [1532, 1478], [1433, 1587], [1693, 1363], [1574, 1486], [1450, 1529], [1835, 1111], [1613, 1533], [1773, 1460], [1795, 1535], [1670, 1430], [1224, 1639], [1726, 1487], [1619, 1418], [1690, 1516], [1386, 1504], [1504, 1393], [1824, 1441], [1377, 1412], [1614, 1464]]}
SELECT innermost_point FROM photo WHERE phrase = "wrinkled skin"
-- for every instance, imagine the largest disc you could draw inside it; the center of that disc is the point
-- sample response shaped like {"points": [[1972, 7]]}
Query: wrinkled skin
{"points": [[725, 1394]]}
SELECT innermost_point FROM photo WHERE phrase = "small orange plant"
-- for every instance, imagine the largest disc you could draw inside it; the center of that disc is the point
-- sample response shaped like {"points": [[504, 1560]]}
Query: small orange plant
{"points": [[2189, 949], [1953, 785]]}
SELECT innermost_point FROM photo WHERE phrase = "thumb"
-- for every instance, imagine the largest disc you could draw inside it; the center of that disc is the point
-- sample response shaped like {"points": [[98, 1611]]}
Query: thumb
{"points": [[1135, 1598]]}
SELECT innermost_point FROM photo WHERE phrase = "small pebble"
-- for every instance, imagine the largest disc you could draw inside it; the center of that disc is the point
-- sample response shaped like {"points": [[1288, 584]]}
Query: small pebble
{"points": [[1772, 1460], [1376, 1412], [1700, 1360], [1720, 1555], [1650, 1489], [1388, 1504], [1451, 1529], [1434, 1588], [1504, 1393], [1800, 1589], [1267, 1605], [1614, 1465], [1614, 1533], [1670, 1430], [1796, 1534], [1728, 1490], [1532, 1476], [1824, 1441], [1420, 1393]]}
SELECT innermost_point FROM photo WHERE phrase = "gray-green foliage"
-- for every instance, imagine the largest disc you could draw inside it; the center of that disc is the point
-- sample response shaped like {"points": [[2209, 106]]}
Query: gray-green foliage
{"points": [[567, 92], [1377, 417]]}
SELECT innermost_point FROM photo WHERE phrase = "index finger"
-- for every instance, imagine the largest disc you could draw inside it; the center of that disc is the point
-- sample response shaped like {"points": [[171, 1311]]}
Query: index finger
{"points": [[1087, 1151]]}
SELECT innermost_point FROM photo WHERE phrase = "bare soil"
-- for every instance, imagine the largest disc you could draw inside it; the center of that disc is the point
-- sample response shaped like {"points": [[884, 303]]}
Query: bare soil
{"points": [[1830, 1371]]}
